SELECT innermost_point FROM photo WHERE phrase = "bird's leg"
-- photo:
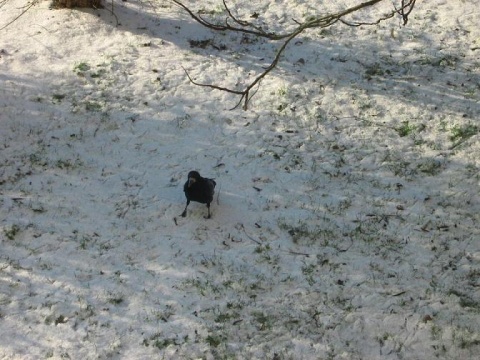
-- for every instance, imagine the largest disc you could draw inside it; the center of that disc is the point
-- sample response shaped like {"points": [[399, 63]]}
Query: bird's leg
{"points": [[184, 213], [208, 209]]}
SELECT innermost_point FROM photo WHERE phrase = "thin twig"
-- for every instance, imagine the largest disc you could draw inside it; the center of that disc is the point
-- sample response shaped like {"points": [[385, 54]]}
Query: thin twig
{"points": [[257, 31], [410, 5], [243, 22], [28, 7], [291, 252], [356, 24], [211, 86], [250, 237], [247, 27], [113, 13]]}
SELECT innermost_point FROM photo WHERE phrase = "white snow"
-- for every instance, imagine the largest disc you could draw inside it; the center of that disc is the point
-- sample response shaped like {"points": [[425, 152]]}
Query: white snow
{"points": [[346, 217]]}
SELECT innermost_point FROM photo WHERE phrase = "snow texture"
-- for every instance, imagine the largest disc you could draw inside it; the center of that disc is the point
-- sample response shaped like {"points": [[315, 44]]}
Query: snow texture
{"points": [[345, 223]]}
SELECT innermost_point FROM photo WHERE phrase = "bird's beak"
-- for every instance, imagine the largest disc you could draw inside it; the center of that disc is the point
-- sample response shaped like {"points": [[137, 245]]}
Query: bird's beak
{"points": [[190, 181]]}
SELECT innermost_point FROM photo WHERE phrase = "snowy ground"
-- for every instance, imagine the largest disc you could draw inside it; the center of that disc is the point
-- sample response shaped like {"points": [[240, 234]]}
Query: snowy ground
{"points": [[346, 219]]}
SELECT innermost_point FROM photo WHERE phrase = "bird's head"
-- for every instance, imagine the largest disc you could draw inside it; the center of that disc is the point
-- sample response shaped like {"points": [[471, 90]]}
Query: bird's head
{"points": [[192, 177]]}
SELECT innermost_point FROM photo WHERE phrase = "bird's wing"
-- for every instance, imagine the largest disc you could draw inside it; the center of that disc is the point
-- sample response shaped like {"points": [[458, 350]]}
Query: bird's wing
{"points": [[211, 185]]}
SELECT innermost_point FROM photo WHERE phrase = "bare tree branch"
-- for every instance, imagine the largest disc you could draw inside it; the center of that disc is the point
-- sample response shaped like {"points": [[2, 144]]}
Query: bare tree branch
{"points": [[247, 27], [408, 6], [25, 9]]}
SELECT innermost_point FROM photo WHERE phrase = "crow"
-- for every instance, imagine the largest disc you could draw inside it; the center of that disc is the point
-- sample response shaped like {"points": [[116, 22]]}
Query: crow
{"points": [[198, 189]]}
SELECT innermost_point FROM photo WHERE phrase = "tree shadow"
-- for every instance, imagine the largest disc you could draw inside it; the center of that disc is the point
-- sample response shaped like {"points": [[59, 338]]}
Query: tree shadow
{"points": [[430, 75]]}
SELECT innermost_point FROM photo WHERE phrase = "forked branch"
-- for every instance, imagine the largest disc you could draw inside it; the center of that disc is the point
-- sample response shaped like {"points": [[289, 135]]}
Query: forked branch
{"points": [[23, 12], [234, 24]]}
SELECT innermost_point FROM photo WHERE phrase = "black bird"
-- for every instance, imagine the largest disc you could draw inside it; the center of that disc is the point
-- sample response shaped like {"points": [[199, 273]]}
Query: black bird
{"points": [[198, 189]]}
